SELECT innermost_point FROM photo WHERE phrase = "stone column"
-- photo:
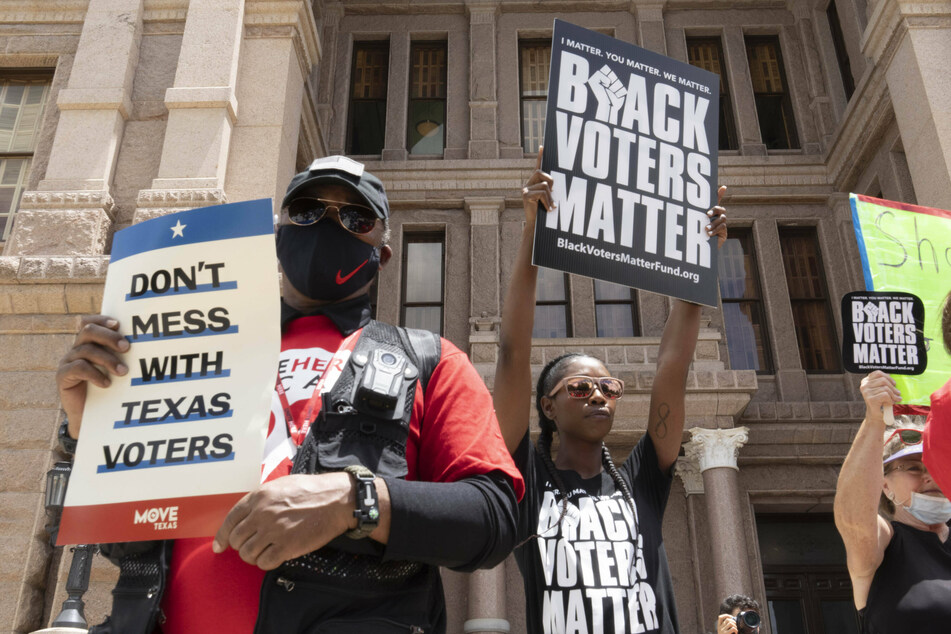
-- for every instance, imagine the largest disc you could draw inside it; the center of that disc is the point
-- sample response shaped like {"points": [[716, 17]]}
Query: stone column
{"points": [[276, 121], [202, 109], [487, 602], [689, 473], [330, 23], [911, 43], [715, 452], [483, 98], [747, 121], [815, 80], [70, 213], [484, 285], [397, 98], [650, 25]]}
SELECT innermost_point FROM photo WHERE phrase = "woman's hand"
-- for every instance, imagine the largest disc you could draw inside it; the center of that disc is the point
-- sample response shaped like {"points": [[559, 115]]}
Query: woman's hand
{"points": [[537, 191], [879, 391], [717, 226]]}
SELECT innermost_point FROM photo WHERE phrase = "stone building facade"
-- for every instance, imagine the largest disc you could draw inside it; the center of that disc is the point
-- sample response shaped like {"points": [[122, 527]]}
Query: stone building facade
{"points": [[115, 111]]}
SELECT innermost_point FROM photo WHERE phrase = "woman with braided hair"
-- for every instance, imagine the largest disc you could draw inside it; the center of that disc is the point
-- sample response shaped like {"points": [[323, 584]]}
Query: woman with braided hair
{"points": [[592, 555]]}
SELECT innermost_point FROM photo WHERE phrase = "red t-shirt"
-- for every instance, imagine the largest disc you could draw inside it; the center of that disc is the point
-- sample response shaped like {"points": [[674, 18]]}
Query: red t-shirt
{"points": [[459, 437], [937, 440]]}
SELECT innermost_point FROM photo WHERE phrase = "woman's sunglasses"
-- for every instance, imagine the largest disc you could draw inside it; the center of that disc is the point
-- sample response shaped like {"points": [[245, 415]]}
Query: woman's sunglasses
{"points": [[583, 387], [353, 217], [906, 436]]}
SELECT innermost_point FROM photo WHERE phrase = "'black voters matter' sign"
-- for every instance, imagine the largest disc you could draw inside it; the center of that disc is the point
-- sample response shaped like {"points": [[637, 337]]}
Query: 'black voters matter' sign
{"points": [[883, 331], [631, 143]]}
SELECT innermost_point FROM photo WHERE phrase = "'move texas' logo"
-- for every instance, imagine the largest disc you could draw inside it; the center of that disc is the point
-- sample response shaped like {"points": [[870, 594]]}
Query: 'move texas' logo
{"points": [[162, 518]]}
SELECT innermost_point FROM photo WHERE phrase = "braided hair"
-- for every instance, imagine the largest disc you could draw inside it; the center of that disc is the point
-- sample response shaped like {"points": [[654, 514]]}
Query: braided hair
{"points": [[549, 377]]}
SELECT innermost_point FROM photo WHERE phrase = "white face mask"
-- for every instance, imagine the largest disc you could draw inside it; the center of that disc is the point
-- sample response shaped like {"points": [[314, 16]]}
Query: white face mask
{"points": [[930, 509]]}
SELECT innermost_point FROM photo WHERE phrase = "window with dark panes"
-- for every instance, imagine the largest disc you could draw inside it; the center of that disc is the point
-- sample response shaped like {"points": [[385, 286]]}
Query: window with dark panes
{"points": [[773, 104], [367, 120], [423, 265], [551, 305], [615, 310], [841, 53], [808, 589], [22, 100], [707, 53], [744, 317], [534, 59], [809, 296], [427, 98]]}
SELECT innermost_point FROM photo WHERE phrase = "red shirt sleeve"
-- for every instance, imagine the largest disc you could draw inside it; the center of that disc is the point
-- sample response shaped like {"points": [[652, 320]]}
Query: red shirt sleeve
{"points": [[454, 432]]}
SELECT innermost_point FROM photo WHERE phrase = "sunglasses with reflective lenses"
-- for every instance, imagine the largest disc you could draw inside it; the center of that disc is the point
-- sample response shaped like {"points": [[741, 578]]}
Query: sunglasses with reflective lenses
{"points": [[583, 386], [907, 436], [353, 217]]}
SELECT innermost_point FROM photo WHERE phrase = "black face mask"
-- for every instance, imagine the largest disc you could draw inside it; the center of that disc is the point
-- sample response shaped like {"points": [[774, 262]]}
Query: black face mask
{"points": [[324, 261]]}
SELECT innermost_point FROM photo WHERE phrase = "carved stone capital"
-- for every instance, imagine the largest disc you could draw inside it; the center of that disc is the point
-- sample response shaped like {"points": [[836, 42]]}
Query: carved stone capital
{"points": [[482, 11], [714, 448], [64, 231], [688, 471], [29, 12], [153, 203], [67, 223], [648, 11], [484, 211], [485, 323], [166, 11], [67, 200]]}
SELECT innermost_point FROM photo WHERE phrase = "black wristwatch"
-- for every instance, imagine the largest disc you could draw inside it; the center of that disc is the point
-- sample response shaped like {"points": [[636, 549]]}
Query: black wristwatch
{"points": [[66, 442], [368, 505]]}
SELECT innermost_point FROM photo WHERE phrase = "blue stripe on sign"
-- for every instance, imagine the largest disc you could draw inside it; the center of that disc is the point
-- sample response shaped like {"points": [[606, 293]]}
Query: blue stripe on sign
{"points": [[182, 335], [199, 288], [137, 422], [177, 379], [221, 222], [161, 463], [860, 238]]}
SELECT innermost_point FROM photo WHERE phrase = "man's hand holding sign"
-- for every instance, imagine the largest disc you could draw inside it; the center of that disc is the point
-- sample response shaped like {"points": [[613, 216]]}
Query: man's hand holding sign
{"points": [[294, 515], [93, 357]]}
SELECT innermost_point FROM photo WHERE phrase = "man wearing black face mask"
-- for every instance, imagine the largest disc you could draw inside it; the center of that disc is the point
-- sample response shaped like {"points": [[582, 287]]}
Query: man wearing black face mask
{"points": [[325, 544]]}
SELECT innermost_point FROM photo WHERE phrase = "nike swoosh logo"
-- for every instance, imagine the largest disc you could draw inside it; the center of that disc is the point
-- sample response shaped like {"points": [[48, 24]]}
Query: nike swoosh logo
{"points": [[343, 280]]}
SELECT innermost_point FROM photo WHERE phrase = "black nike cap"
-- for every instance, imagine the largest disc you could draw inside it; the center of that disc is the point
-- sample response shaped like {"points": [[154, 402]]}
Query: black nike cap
{"points": [[341, 170]]}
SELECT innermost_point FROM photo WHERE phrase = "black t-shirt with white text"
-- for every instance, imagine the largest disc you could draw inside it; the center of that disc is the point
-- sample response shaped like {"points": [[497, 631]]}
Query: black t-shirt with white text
{"points": [[604, 569]]}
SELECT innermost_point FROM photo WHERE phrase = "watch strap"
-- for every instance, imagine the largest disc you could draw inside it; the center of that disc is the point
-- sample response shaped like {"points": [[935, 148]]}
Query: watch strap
{"points": [[367, 509], [66, 442]]}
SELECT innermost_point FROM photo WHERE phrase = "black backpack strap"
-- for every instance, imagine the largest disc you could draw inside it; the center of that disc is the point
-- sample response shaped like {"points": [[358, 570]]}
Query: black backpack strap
{"points": [[424, 348], [427, 347]]}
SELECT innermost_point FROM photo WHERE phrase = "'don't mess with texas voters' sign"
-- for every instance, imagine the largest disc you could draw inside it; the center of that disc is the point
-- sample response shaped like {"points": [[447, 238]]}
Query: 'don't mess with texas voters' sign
{"points": [[167, 449], [631, 145]]}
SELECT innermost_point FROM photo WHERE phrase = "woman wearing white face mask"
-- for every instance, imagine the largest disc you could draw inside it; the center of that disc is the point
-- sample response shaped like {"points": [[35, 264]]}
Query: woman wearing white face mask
{"points": [[893, 519]]}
